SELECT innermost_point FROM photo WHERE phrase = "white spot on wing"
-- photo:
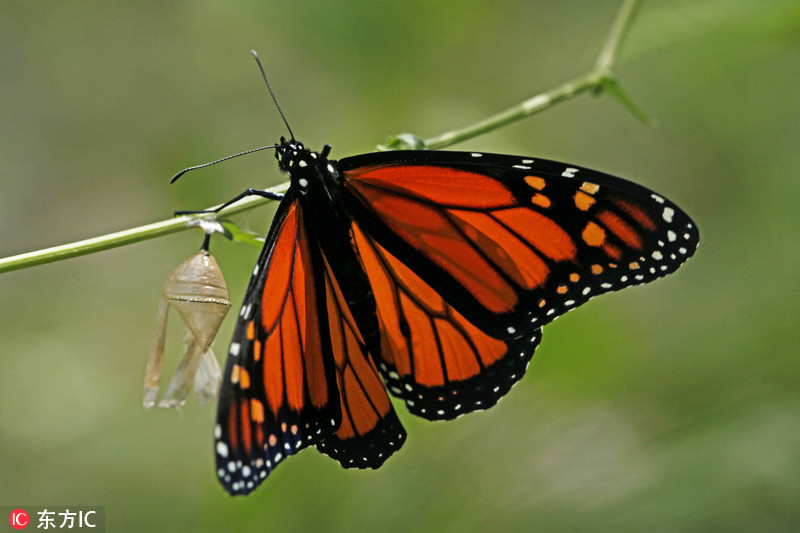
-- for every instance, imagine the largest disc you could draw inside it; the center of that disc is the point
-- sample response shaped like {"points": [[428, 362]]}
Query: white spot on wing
{"points": [[222, 449], [569, 172]]}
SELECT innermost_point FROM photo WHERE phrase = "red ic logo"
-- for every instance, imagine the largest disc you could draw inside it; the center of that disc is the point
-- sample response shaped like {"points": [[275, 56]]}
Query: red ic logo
{"points": [[18, 519]]}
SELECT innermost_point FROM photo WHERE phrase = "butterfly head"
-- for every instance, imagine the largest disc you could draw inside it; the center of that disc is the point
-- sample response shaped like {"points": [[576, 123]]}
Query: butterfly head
{"points": [[290, 153]]}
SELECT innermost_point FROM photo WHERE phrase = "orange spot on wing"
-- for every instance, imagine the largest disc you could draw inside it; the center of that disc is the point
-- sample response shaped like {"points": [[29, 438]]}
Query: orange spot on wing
{"points": [[244, 379], [536, 182], [251, 331], [257, 411], [583, 201], [593, 235], [540, 200], [257, 350], [621, 229]]}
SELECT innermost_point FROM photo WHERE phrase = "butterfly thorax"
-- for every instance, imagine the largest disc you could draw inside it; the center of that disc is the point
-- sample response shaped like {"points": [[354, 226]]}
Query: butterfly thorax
{"points": [[310, 171]]}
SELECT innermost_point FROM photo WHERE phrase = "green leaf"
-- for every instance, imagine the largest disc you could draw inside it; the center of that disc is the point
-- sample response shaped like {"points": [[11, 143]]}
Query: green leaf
{"points": [[237, 234]]}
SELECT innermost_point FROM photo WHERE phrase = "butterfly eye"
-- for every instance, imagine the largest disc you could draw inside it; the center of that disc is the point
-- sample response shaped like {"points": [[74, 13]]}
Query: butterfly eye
{"points": [[198, 291]]}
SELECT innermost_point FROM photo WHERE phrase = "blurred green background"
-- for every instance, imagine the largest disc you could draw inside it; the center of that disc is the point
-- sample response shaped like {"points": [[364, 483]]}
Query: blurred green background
{"points": [[670, 407]]}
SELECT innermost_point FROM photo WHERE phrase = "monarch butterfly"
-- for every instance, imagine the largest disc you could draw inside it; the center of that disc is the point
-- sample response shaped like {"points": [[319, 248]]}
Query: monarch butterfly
{"points": [[427, 273]]}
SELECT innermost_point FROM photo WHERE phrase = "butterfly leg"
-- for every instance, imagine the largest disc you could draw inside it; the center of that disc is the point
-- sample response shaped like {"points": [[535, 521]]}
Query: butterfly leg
{"points": [[249, 192]]}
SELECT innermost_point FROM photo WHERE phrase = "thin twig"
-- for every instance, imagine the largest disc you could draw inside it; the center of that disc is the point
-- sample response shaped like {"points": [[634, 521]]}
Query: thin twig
{"points": [[599, 79]]}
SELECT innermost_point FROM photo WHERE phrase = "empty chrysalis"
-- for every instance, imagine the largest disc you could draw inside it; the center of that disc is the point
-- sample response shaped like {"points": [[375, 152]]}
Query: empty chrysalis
{"points": [[198, 291]]}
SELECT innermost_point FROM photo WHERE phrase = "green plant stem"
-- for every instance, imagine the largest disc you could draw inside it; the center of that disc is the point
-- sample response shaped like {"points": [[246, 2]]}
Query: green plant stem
{"points": [[129, 236], [599, 79]]}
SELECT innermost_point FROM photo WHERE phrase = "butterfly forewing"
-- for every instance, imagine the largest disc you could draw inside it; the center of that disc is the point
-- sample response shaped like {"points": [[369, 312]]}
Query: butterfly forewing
{"points": [[513, 243], [279, 393]]}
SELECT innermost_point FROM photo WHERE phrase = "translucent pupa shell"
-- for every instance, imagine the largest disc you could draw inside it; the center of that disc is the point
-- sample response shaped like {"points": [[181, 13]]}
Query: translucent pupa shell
{"points": [[198, 291]]}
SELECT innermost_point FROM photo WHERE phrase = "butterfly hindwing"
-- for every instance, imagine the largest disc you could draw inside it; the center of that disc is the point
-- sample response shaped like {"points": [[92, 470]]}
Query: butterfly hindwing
{"points": [[279, 392], [431, 356], [513, 243], [370, 431]]}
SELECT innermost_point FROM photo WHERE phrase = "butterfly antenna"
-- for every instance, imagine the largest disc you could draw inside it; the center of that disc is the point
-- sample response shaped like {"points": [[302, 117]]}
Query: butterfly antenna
{"points": [[264, 75], [185, 170]]}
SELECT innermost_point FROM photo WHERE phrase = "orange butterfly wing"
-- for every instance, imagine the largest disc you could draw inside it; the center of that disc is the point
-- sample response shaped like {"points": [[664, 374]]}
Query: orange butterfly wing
{"points": [[279, 393], [513, 243], [469, 261], [370, 431], [441, 364]]}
